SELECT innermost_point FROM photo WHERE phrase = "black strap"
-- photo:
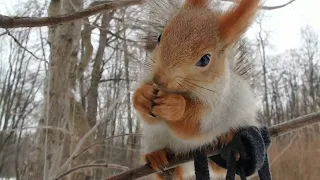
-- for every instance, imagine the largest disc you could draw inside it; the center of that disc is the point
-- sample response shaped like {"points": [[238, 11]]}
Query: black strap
{"points": [[263, 172], [252, 144], [227, 152], [201, 164]]}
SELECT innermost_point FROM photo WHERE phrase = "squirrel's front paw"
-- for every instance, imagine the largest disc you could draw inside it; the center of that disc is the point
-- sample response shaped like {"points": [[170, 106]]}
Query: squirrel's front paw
{"points": [[157, 159], [142, 102], [170, 107], [226, 139]]}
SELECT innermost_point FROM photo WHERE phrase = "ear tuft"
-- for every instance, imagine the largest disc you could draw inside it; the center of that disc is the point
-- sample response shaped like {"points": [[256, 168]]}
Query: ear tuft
{"points": [[196, 3], [234, 23]]}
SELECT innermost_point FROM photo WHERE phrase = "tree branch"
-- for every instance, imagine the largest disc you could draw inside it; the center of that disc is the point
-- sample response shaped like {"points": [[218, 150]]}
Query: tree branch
{"points": [[115, 79], [269, 7], [105, 165], [274, 131], [14, 22], [121, 135], [277, 7], [294, 124], [20, 45], [84, 137]]}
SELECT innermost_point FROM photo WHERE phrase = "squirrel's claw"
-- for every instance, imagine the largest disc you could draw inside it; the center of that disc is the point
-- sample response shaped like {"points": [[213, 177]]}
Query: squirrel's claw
{"points": [[142, 102], [226, 139], [157, 159], [169, 106]]}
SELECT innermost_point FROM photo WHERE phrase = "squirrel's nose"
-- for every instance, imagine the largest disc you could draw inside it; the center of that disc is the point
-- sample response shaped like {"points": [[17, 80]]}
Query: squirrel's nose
{"points": [[160, 80]]}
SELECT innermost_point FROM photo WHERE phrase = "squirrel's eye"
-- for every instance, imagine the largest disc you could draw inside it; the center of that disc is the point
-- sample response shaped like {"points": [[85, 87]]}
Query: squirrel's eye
{"points": [[204, 61], [159, 38]]}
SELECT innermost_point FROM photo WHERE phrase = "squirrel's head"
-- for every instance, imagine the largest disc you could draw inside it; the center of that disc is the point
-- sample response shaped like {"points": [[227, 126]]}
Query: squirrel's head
{"points": [[191, 50]]}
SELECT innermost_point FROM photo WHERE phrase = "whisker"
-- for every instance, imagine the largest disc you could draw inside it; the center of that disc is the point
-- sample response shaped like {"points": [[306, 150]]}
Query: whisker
{"points": [[150, 58], [232, 100], [191, 79], [148, 65], [183, 88], [196, 80], [196, 85], [195, 90]]}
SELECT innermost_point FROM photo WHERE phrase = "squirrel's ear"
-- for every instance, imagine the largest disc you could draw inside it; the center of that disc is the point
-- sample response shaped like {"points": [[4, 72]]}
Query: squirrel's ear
{"points": [[233, 24], [196, 3]]}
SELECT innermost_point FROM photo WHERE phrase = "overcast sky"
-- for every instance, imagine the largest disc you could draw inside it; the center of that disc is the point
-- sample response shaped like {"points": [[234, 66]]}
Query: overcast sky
{"points": [[283, 24]]}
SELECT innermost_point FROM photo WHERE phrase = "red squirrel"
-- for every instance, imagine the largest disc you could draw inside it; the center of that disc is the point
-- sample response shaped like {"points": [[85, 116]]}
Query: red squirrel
{"points": [[192, 97]]}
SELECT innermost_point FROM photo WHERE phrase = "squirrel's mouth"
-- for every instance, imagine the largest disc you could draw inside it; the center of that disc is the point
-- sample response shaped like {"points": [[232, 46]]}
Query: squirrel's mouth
{"points": [[170, 90]]}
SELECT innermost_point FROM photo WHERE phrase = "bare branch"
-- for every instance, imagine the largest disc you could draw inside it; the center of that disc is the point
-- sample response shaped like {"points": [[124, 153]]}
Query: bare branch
{"points": [[20, 45], [105, 165], [84, 137], [65, 131], [174, 161], [113, 79], [145, 170], [269, 7], [4, 33], [277, 7], [284, 150], [121, 135], [295, 124], [14, 22]]}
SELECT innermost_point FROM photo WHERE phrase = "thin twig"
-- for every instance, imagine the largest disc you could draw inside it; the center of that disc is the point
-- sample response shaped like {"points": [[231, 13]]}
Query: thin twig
{"points": [[284, 150], [274, 131], [121, 135], [20, 45], [65, 131], [84, 137], [269, 7], [277, 7], [105, 165], [4, 33]]}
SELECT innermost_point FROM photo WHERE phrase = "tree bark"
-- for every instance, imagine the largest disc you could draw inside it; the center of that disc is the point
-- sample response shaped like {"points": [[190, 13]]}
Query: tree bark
{"points": [[64, 42]]}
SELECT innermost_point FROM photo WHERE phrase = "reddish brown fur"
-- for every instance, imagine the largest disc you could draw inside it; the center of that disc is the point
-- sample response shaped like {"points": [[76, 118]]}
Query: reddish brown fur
{"points": [[178, 174], [159, 177], [188, 127], [188, 36], [227, 138], [197, 36], [195, 3], [199, 32], [169, 106], [142, 102], [234, 23]]}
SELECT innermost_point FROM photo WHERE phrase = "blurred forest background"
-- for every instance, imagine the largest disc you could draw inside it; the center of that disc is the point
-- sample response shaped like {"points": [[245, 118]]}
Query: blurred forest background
{"points": [[65, 93]]}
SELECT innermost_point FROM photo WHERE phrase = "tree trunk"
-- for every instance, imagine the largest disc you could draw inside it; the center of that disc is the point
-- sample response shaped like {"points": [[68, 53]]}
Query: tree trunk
{"points": [[64, 41]]}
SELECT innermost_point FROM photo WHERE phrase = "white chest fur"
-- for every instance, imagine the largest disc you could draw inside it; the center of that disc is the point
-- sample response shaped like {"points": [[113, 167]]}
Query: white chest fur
{"points": [[232, 107], [159, 136]]}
